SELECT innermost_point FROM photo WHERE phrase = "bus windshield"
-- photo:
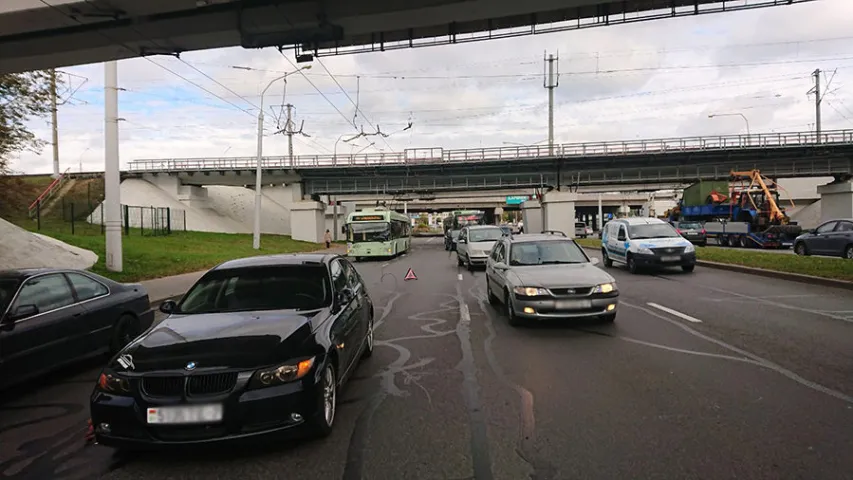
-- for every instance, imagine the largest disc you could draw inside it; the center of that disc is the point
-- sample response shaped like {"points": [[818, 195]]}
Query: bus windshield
{"points": [[369, 232]]}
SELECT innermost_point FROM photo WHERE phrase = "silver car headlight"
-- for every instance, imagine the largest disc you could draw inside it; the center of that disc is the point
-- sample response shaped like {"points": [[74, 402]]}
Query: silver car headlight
{"points": [[689, 248], [604, 288], [530, 291]]}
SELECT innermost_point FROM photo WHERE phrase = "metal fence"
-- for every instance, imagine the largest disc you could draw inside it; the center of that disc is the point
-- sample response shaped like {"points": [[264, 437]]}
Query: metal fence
{"points": [[147, 221]]}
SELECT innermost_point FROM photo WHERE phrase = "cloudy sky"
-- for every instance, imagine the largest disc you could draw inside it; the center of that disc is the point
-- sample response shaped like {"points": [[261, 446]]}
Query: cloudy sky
{"points": [[646, 80]]}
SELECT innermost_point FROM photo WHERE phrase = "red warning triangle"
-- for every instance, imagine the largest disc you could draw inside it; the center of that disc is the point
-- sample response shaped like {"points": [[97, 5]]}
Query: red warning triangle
{"points": [[410, 275]]}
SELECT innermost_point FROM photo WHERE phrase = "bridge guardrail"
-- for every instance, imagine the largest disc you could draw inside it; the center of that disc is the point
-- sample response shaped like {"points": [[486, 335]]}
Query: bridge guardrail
{"points": [[476, 155]]}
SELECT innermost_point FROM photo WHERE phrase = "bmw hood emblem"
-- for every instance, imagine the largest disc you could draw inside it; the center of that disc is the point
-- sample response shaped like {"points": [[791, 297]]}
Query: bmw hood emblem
{"points": [[191, 366]]}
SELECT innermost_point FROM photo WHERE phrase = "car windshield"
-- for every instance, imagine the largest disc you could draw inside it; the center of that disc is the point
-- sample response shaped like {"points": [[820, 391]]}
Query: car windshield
{"points": [[546, 253], [369, 232], [653, 230], [8, 287], [485, 235], [689, 226], [287, 287]]}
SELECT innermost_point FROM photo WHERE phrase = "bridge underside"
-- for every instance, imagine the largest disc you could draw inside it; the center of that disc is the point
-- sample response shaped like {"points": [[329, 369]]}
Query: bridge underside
{"points": [[644, 170], [71, 32]]}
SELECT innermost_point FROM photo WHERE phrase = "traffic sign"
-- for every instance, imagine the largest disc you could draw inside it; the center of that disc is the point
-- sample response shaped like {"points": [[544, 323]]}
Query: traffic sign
{"points": [[516, 199]]}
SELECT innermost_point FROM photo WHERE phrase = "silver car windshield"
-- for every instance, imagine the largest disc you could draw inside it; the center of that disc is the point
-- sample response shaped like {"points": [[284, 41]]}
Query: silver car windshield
{"points": [[548, 252], [485, 235]]}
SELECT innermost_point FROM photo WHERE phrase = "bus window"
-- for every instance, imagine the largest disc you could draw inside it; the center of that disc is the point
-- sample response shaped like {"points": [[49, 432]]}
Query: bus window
{"points": [[369, 232]]}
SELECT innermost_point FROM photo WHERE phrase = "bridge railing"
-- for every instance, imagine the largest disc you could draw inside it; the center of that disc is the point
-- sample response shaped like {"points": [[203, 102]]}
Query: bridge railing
{"points": [[474, 155]]}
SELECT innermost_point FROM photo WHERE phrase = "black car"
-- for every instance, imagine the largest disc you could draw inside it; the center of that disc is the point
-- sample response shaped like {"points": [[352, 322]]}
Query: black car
{"points": [[834, 238], [50, 318], [257, 346]]}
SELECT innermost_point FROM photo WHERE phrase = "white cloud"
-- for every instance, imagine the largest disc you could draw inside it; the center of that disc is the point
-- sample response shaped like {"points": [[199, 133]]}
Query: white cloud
{"points": [[645, 80]]}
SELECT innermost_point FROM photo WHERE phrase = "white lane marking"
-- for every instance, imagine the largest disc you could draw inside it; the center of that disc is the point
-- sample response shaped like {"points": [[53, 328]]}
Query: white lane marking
{"points": [[385, 264], [459, 277], [781, 305], [431, 239], [678, 314]]}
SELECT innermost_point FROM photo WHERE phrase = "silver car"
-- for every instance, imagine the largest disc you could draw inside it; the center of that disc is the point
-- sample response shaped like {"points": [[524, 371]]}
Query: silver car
{"points": [[545, 276], [475, 244]]}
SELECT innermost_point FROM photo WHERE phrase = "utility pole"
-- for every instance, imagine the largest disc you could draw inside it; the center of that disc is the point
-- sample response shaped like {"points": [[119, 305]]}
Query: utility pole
{"points": [[817, 100], [53, 119], [552, 80], [112, 180], [289, 132]]}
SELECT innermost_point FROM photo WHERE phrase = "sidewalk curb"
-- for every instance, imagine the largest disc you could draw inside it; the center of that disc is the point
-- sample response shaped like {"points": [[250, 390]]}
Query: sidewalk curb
{"points": [[761, 272]]}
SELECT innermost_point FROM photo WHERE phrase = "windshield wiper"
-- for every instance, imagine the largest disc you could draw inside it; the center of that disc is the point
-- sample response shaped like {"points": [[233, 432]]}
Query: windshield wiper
{"points": [[558, 262]]}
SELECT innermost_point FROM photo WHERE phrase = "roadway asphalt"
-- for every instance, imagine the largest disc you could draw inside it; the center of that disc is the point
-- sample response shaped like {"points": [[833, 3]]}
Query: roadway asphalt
{"points": [[711, 375]]}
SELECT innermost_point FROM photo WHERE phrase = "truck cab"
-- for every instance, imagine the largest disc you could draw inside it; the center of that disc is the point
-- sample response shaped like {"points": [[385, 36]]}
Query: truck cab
{"points": [[641, 243]]}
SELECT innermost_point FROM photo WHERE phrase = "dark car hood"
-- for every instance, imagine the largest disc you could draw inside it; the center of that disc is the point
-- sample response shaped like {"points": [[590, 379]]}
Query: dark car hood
{"points": [[230, 340], [571, 275]]}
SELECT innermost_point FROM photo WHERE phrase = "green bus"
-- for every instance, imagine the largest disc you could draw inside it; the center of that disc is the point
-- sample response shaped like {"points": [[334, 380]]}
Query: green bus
{"points": [[377, 232], [461, 218]]}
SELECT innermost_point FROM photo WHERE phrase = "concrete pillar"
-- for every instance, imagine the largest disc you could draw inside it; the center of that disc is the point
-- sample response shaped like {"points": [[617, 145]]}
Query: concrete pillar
{"points": [[499, 215], [558, 212], [308, 221], [531, 215], [193, 196], [836, 200]]}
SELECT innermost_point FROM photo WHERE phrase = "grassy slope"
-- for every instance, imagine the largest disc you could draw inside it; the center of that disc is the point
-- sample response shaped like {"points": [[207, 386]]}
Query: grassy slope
{"points": [[836, 268]]}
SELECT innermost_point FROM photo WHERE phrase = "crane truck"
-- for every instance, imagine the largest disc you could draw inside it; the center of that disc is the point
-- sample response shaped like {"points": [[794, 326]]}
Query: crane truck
{"points": [[742, 212]]}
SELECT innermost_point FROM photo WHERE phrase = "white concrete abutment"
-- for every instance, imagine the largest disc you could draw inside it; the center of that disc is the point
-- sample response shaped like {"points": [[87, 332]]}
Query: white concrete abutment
{"points": [[836, 200]]}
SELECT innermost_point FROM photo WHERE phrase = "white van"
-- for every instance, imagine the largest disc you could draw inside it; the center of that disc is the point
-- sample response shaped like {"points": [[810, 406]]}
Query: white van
{"points": [[645, 242]]}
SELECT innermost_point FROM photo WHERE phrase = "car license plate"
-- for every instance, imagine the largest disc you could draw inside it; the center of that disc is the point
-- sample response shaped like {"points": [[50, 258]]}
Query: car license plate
{"points": [[670, 258], [573, 304], [185, 414], [691, 232]]}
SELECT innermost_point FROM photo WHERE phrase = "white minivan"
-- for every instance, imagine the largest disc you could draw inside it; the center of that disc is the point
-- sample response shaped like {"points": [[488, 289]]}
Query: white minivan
{"points": [[645, 242], [475, 244]]}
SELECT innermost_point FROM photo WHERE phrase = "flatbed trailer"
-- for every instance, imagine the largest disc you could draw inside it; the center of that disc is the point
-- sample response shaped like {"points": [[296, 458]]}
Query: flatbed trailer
{"points": [[742, 234]]}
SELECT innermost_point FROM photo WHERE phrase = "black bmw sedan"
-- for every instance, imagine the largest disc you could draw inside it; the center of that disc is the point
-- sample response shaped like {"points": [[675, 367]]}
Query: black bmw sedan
{"points": [[257, 346]]}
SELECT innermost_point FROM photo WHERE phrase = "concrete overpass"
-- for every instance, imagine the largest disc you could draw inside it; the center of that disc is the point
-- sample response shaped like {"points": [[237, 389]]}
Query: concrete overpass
{"points": [[637, 163], [36, 34], [437, 204]]}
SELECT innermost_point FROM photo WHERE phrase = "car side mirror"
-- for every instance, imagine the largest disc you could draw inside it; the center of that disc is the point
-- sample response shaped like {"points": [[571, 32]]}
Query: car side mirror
{"points": [[23, 311], [500, 266], [169, 307], [621, 237], [461, 240], [345, 296], [594, 260], [344, 229]]}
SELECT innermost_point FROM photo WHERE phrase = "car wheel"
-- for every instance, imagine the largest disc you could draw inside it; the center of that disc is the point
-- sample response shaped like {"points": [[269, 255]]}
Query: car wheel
{"points": [[368, 349], [688, 268], [492, 298], [848, 252], [607, 261], [632, 265], [512, 318], [608, 318], [321, 423], [800, 249], [124, 331]]}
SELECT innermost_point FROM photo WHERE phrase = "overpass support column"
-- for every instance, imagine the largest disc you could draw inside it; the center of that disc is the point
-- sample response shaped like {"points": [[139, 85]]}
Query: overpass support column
{"points": [[308, 221], [558, 212], [499, 215], [531, 215], [836, 200]]}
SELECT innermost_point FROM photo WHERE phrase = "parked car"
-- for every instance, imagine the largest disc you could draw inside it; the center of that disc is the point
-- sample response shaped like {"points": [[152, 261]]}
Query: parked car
{"points": [[50, 318], [542, 276], [475, 243], [257, 346], [581, 230], [834, 238], [692, 231]]}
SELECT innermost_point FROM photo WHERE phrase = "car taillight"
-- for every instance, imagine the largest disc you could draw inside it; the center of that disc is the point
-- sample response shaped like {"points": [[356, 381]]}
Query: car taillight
{"points": [[703, 231], [678, 230]]}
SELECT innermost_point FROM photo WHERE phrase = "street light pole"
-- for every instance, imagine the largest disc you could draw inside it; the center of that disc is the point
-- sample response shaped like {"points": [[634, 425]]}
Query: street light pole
{"points": [[256, 237]]}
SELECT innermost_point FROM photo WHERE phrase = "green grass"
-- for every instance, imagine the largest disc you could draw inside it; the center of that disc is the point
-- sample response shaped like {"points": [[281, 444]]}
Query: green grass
{"points": [[146, 257], [835, 268]]}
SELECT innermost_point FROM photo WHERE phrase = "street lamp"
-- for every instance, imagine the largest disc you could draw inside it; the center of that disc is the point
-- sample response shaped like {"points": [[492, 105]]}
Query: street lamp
{"points": [[256, 238], [335, 155], [733, 115]]}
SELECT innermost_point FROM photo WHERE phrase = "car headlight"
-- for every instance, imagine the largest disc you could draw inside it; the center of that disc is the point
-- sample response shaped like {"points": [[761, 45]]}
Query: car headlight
{"points": [[530, 291], [604, 288], [689, 248], [281, 374], [111, 383], [645, 251]]}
